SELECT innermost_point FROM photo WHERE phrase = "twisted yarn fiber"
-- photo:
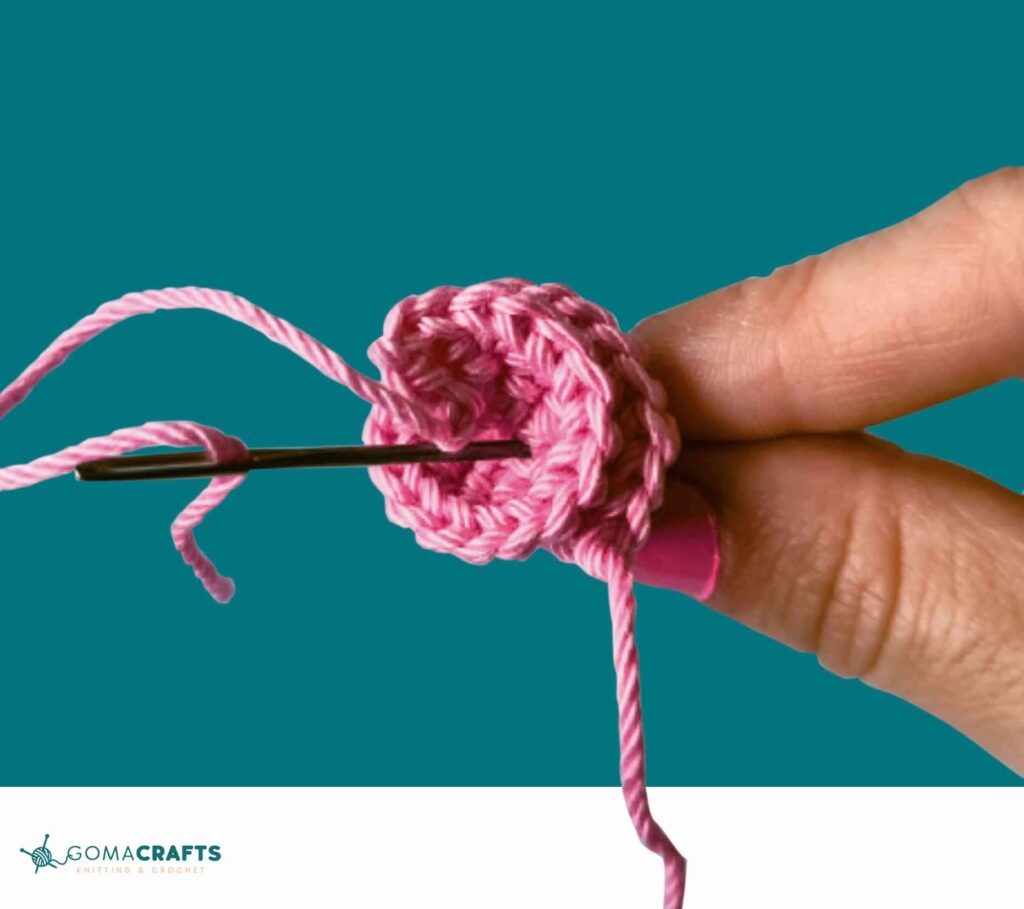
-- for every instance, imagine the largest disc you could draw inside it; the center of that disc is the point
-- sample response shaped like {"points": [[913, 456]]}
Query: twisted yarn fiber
{"points": [[500, 359]]}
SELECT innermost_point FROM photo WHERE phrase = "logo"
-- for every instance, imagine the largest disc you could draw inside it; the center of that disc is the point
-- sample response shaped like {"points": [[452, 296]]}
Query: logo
{"points": [[157, 859], [43, 858]]}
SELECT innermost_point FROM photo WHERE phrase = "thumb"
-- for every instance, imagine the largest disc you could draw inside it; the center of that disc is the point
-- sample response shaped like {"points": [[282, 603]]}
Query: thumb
{"points": [[900, 570]]}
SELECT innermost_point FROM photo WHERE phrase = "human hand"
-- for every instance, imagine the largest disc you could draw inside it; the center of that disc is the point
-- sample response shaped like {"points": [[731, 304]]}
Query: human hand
{"points": [[900, 570]]}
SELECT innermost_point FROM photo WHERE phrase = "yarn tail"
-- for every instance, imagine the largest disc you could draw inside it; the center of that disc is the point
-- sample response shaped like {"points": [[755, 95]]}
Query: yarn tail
{"points": [[240, 310], [176, 434], [182, 433], [622, 601]]}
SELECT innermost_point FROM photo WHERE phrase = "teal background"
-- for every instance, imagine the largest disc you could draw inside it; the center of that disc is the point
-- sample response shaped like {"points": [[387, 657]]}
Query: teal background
{"points": [[326, 162]]}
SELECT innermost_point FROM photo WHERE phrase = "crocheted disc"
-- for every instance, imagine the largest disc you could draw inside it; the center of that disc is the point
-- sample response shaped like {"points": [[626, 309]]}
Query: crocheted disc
{"points": [[512, 359]]}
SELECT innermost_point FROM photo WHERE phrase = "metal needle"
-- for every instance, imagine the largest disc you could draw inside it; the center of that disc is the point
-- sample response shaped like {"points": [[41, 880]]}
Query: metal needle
{"points": [[188, 464]]}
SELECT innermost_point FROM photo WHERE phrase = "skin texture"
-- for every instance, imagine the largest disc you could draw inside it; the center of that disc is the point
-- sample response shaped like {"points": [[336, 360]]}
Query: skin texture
{"points": [[900, 570]]}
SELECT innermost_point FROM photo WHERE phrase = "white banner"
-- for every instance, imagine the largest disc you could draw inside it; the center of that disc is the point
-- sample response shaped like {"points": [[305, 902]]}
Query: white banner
{"points": [[488, 848]]}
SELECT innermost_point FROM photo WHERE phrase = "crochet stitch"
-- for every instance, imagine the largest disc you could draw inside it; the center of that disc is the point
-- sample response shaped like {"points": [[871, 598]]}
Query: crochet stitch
{"points": [[500, 359]]}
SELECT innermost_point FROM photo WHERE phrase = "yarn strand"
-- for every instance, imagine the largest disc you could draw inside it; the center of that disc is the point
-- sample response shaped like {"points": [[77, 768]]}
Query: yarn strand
{"points": [[240, 310], [632, 761]]}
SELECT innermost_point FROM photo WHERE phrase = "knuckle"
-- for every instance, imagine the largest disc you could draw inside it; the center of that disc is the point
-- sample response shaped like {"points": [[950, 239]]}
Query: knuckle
{"points": [[861, 590], [771, 309], [779, 294]]}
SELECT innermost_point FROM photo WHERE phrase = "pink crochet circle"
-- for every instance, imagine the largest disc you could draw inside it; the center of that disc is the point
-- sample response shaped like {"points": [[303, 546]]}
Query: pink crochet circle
{"points": [[511, 359]]}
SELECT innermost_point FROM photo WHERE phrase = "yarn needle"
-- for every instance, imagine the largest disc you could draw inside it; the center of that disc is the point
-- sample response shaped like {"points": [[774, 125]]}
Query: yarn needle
{"points": [[191, 464]]}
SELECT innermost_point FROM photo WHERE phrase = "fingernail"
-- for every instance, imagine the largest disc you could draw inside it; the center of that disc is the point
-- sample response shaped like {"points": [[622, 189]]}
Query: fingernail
{"points": [[682, 551]]}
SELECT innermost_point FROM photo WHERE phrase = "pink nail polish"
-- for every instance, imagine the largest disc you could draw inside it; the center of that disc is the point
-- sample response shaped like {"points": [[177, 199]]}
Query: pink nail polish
{"points": [[682, 552]]}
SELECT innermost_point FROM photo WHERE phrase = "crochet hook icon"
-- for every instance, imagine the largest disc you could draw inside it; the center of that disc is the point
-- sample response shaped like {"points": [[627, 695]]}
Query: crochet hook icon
{"points": [[192, 464]]}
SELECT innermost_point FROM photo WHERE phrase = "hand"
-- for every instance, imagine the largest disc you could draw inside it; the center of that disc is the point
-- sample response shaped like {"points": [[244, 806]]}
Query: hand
{"points": [[901, 570]]}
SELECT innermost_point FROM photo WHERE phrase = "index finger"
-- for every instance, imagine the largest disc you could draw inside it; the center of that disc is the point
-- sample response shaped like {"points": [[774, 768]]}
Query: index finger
{"points": [[885, 325]]}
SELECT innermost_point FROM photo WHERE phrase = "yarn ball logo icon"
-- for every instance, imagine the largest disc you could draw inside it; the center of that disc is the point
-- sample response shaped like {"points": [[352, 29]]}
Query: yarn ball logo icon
{"points": [[42, 857]]}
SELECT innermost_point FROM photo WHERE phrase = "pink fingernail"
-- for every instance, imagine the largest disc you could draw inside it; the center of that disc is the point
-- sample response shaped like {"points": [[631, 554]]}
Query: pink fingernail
{"points": [[682, 552]]}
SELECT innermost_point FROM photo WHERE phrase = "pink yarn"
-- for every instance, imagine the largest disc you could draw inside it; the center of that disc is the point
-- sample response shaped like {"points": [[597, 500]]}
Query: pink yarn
{"points": [[500, 359]]}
